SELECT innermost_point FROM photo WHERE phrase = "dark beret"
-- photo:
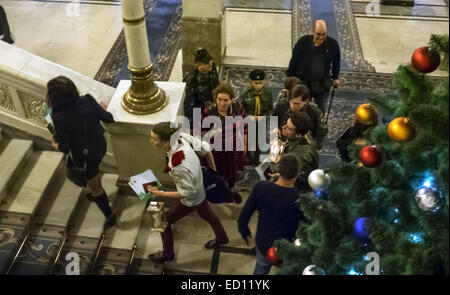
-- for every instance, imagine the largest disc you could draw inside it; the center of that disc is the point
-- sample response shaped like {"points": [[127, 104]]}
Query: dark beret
{"points": [[257, 75]]}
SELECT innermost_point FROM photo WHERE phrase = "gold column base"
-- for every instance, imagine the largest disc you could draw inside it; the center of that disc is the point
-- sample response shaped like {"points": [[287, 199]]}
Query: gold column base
{"points": [[144, 96]]}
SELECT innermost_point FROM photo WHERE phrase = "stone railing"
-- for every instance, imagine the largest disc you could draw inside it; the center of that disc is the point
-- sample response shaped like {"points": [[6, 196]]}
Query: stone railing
{"points": [[23, 80]]}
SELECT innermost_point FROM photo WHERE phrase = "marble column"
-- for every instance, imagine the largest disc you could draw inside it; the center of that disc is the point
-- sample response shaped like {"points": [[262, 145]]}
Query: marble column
{"points": [[143, 96], [203, 25]]}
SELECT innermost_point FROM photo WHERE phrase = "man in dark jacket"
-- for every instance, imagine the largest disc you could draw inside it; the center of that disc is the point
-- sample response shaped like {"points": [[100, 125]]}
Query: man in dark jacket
{"points": [[279, 215], [316, 61], [299, 101]]}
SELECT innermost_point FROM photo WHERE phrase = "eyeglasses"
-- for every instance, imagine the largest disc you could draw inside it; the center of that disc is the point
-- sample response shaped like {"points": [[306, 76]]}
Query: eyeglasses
{"points": [[320, 34]]}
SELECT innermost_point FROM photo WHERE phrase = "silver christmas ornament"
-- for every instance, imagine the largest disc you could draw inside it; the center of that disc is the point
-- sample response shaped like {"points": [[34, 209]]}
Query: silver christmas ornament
{"points": [[429, 199], [312, 270], [319, 180]]}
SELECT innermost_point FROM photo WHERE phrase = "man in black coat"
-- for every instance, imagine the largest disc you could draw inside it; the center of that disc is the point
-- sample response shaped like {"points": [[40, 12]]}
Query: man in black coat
{"points": [[5, 34], [316, 61]]}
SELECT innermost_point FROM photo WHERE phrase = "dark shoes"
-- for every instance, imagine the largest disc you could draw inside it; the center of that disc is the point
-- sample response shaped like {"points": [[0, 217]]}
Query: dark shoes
{"points": [[110, 222], [213, 244], [158, 258]]}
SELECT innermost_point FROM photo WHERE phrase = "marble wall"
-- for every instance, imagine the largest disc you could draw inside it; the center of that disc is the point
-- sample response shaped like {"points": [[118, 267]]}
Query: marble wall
{"points": [[202, 27], [201, 32]]}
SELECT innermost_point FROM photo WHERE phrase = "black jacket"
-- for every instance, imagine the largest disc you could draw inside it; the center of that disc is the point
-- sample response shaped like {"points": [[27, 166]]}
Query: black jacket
{"points": [[300, 63], [279, 215], [68, 124]]}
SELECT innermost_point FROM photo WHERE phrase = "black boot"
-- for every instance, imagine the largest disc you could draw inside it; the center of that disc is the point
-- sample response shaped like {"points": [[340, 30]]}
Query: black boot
{"points": [[110, 222], [103, 204]]}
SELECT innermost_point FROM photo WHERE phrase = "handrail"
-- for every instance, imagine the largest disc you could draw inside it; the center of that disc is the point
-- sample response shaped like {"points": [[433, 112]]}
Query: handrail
{"points": [[23, 86], [99, 247], [17, 253], [133, 252], [57, 255]]}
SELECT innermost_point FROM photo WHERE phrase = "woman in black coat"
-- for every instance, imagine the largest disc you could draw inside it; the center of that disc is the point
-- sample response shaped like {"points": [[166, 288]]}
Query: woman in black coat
{"points": [[68, 111]]}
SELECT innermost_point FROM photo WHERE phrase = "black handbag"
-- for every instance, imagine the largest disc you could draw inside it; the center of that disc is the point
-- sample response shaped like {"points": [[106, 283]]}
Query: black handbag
{"points": [[78, 174]]}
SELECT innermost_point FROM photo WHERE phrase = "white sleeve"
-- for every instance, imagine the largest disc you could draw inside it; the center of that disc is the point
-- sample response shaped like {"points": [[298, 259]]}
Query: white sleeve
{"points": [[185, 182]]}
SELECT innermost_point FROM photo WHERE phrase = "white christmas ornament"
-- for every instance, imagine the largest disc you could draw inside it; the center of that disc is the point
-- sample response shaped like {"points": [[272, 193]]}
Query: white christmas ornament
{"points": [[312, 270], [319, 180], [429, 199]]}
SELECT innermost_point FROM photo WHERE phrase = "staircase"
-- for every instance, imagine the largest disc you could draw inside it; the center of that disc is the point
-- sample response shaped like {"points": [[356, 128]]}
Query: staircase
{"points": [[42, 214], [44, 217]]}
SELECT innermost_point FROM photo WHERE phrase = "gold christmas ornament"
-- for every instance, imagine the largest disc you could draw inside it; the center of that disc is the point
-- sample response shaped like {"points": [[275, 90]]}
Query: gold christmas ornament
{"points": [[366, 114], [401, 130]]}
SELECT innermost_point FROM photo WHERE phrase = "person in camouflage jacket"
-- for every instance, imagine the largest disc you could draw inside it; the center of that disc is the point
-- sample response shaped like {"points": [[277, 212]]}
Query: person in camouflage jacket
{"points": [[200, 84], [297, 126]]}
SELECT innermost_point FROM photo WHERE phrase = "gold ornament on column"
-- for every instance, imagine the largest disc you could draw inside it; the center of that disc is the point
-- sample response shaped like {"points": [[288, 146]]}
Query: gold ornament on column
{"points": [[366, 114], [401, 130], [144, 96]]}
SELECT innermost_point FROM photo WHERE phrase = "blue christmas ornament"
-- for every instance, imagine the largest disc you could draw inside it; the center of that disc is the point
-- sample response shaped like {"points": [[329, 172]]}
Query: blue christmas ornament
{"points": [[361, 229]]}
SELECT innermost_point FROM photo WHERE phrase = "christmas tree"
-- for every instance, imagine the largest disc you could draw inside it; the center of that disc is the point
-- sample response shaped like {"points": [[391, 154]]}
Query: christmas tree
{"points": [[392, 200]]}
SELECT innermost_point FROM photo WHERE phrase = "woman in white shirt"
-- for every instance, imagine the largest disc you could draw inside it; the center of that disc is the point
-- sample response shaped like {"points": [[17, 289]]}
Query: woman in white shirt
{"points": [[183, 165]]}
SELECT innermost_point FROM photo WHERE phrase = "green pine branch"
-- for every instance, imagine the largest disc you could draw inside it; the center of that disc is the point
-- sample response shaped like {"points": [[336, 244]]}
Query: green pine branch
{"points": [[440, 44]]}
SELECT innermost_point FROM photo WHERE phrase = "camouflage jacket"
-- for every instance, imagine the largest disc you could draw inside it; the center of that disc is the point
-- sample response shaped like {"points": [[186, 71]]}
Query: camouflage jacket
{"points": [[308, 158], [199, 88], [249, 102]]}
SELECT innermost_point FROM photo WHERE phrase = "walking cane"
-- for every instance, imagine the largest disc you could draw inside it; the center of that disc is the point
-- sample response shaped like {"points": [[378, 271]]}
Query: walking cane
{"points": [[331, 102]]}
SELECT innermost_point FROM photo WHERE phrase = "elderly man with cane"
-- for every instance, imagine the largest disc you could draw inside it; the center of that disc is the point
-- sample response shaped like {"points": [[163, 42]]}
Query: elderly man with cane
{"points": [[316, 61]]}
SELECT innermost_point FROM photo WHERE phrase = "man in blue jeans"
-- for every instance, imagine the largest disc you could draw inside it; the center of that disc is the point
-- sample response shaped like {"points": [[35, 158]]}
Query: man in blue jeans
{"points": [[279, 215]]}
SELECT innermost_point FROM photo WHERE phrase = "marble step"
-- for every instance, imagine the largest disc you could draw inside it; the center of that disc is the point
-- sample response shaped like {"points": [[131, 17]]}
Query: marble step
{"points": [[85, 229], [12, 159], [147, 242], [88, 220], [58, 211], [49, 229], [21, 202], [34, 181], [118, 246]]}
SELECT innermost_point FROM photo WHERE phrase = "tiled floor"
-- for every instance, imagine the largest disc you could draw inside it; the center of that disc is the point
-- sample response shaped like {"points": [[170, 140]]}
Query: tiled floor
{"points": [[258, 38], [80, 43], [260, 4], [387, 43]]}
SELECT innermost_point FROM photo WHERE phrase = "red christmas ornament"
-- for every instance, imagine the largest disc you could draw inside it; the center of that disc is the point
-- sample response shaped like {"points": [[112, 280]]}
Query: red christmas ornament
{"points": [[370, 156], [425, 61], [272, 256]]}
